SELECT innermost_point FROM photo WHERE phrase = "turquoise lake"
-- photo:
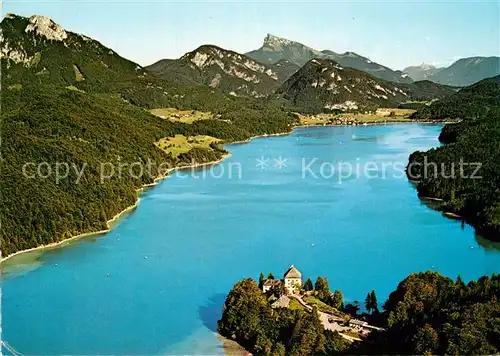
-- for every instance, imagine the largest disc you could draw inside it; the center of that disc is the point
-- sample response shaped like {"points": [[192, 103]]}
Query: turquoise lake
{"points": [[156, 283]]}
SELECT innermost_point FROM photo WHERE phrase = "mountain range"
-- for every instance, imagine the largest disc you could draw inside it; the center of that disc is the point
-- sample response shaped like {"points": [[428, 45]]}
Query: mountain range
{"points": [[226, 70], [421, 72], [467, 71], [320, 84], [245, 74], [276, 48], [463, 72], [44, 52]]}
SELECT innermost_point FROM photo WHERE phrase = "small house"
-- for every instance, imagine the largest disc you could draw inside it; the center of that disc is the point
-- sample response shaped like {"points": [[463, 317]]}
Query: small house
{"points": [[269, 284]]}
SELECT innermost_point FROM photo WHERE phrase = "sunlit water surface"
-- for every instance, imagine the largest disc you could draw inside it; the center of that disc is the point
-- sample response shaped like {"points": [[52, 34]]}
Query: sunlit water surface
{"points": [[156, 283]]}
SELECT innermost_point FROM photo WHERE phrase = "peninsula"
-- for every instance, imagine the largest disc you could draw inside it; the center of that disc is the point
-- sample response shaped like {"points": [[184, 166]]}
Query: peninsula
{"points": [[285, 316]]}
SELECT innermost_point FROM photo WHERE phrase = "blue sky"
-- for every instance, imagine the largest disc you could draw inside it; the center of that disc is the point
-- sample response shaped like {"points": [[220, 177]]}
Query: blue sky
{"points": [[393, 33]]}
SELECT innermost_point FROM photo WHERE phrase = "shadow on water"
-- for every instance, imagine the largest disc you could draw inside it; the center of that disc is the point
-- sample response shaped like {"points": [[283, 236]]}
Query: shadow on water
{"points": [[31, 260], [211, 312], [491, 245], [488, 245]]}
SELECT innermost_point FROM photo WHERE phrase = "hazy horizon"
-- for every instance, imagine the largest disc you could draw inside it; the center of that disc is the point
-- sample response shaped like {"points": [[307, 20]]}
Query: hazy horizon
{"points": [[396, 35]]}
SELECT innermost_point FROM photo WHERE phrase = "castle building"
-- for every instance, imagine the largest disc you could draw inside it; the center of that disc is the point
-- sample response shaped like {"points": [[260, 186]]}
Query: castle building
{"points": [[293, 280]]}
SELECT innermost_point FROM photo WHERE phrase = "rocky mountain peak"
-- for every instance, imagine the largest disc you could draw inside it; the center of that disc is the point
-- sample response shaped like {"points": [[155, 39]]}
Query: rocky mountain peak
{"points": [[425, 66], [44, 26], [228, 61], [350, 54], [275, 42], [276, 48]]}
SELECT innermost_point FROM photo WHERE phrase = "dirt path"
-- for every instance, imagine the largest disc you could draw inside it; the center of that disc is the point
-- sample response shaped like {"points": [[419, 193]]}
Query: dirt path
{"points": [[335, 325]]}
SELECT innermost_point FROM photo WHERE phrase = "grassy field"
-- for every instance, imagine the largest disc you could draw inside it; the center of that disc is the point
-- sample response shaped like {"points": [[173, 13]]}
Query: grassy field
{"points": [[78, 75], [185, 116], [323, 307], [394, 112], [295, 305], [353, 334], [181, 144], [380, 116], [72, 87], [15, 87]]}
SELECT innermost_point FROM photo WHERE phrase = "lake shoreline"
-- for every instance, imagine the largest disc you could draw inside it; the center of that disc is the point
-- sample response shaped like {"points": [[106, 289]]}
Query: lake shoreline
{"points": [[115, 218], [114, 274], [167, 174], [231, 347], [374, 123]]}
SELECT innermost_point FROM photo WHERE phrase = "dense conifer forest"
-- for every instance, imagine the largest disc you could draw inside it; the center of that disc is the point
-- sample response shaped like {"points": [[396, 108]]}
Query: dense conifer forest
{"points": [[465, 171], [434, 315], [249, 319], [426, 314]]}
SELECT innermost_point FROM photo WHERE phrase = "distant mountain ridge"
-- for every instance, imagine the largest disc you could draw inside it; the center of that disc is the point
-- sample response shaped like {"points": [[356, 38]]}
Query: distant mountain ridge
{"points": [[334, 88], [467, 71], [463, 72], [318, 85], [421, 72], [276, 48], [467, 103]]}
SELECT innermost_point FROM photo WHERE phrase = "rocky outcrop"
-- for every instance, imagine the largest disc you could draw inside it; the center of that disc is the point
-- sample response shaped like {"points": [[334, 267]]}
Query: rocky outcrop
{"points": [[44, 26]]}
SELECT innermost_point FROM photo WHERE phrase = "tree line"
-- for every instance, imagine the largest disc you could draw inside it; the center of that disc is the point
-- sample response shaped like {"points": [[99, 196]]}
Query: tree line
{"points": [[47, 122], [470, 190], [426, 314], [249, 319]]}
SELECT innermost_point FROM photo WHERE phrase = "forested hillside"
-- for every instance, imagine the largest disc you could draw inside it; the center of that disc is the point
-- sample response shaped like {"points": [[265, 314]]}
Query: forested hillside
{"points": [[325, 85], [249, 319], [68, 99], [474, 195], [222, 69], [427, 314]]}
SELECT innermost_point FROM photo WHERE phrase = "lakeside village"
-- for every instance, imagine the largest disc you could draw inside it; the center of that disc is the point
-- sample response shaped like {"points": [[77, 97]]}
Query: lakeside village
{"points": [[291, 292]]}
